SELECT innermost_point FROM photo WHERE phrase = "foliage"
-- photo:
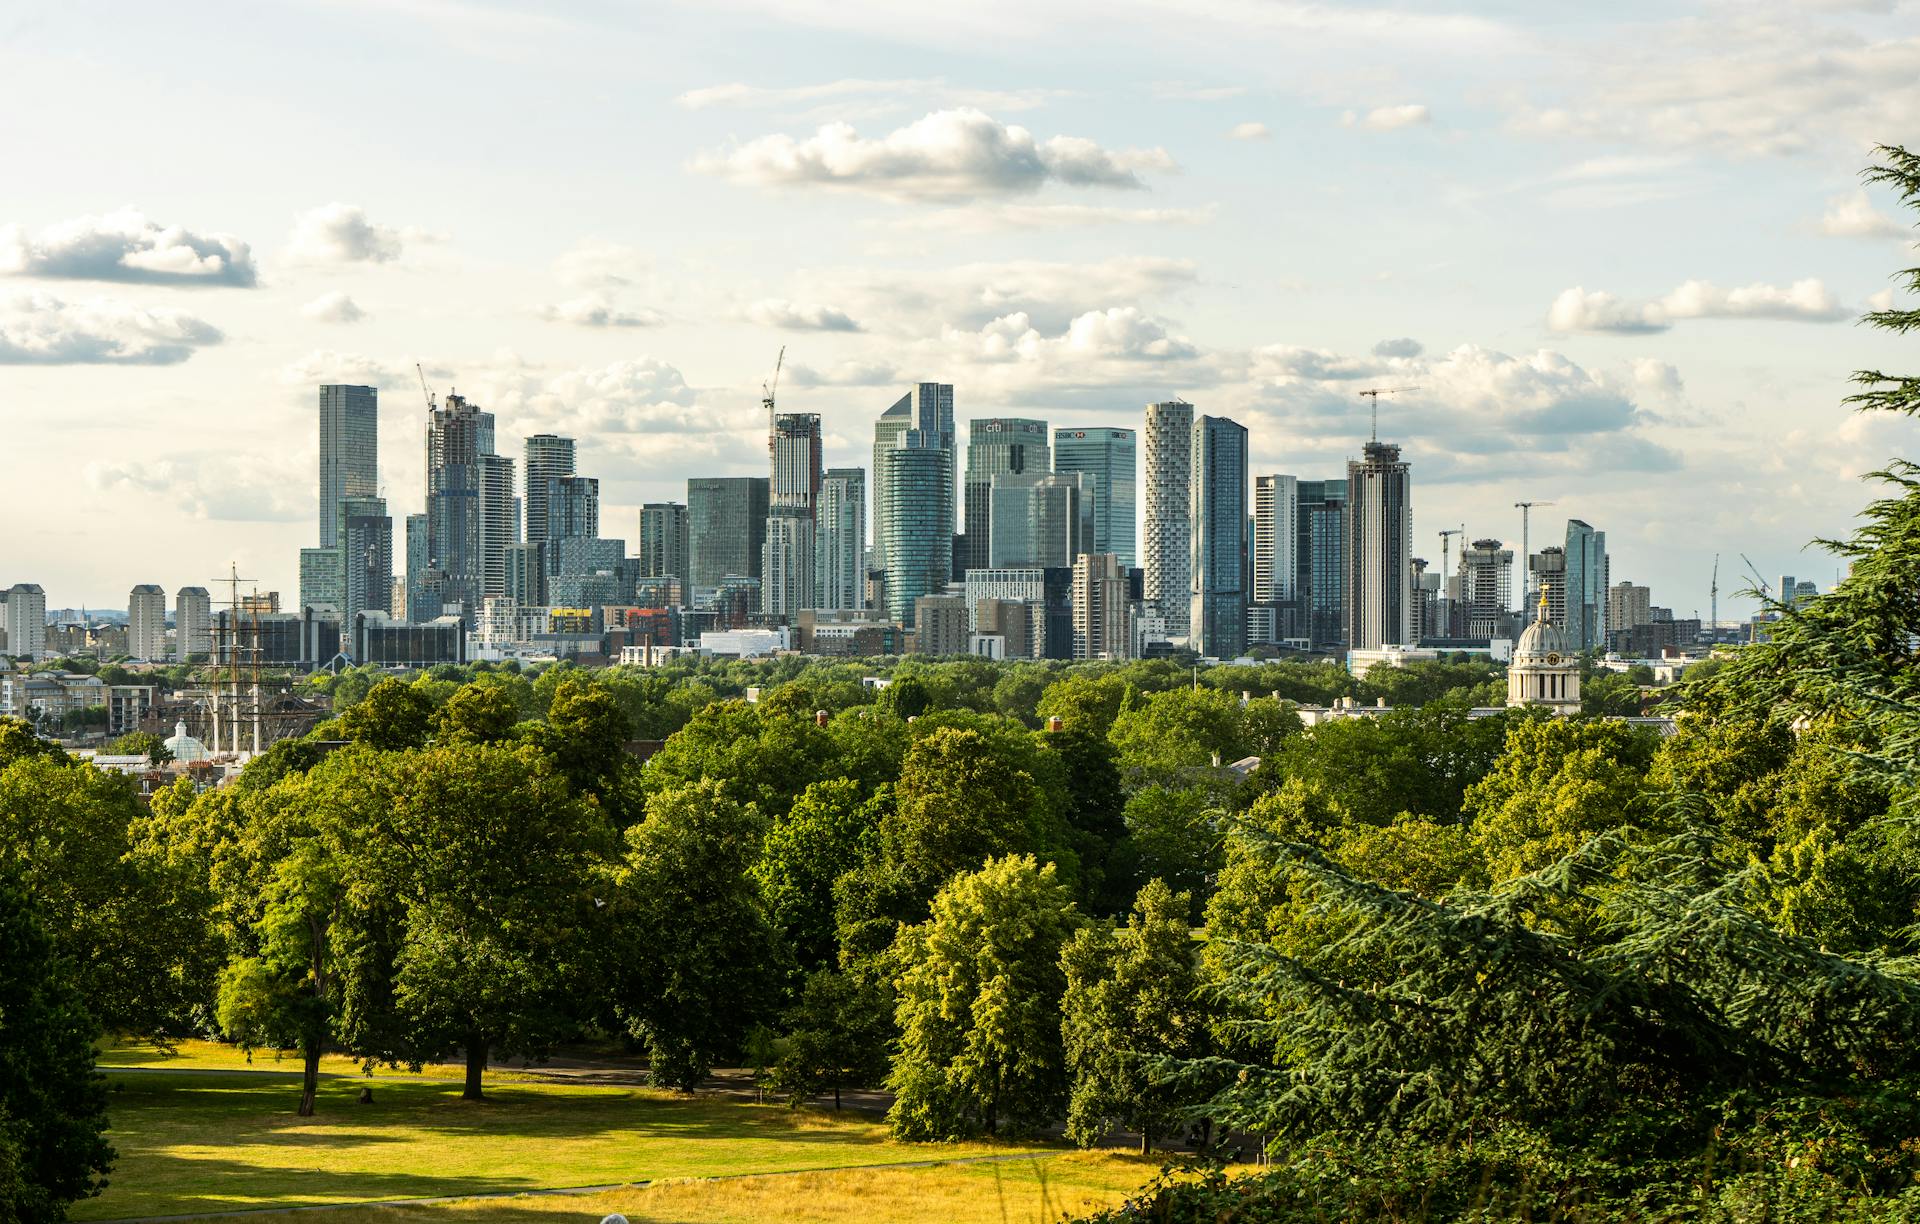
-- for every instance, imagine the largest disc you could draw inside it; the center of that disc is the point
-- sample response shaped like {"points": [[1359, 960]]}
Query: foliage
{"points": [[53, 1105], [1559, 782], [979, 1013], [141, 743], [837, 1034], [831, 826]]}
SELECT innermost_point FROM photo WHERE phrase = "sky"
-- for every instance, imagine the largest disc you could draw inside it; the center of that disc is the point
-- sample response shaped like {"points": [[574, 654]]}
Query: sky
{"points": [[1618, 252]]}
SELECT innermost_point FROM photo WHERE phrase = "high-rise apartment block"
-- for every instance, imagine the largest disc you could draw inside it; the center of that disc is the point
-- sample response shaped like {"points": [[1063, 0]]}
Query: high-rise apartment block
{"points": [[996, 446], [663, 542], [499, 523], [787, 563], [1218, 490], [192, 624], [549, 457], [147, 622], [1320, 564], [1274, 563], [463, 494], [26, 621], [365, 548], [1628, 606], [349, 450], [1167, 544], [1105, 461], [1102, 613], [1485, 596], [840, 540], [1548, 570], [1379, 549]]}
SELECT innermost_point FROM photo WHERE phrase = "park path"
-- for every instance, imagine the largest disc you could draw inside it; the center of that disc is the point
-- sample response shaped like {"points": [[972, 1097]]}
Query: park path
{"points": [[559, 1191]]}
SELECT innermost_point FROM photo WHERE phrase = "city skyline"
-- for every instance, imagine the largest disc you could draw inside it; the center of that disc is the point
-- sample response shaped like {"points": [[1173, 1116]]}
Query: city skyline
{"points": [[1630, 296]]}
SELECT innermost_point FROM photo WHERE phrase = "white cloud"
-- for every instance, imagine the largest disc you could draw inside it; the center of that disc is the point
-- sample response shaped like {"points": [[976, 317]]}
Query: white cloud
{"points": [[1388, 118], [1854, 216], [1580, 310], [741, 95], [601, 265], [333, 307], [1250, 131], [342, 233], [598, 311], [1117, 334], [1176, 91], [37, 328], [329, 366], [984, 218], [844, 374], [967, 296], [948, 155], [601, 404], [800, 316], [1402, 346], [253, 488], [124, 246]]}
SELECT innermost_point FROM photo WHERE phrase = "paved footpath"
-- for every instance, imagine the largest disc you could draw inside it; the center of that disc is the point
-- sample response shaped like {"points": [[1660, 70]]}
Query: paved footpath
{"points": [[556, 1191]]}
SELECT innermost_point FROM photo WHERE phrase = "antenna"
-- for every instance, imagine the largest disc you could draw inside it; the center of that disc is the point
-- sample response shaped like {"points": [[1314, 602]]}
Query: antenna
{"points": [[1372, 396]]}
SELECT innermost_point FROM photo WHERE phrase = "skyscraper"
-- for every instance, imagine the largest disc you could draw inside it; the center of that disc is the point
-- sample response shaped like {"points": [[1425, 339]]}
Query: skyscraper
{"points": [[1587, 582], [1275, 567], [527, 573], [1320, 574], [320, 578], [147, 622], [913, 497], [1486, 588], [1168, 544], [549, 457], [1379, 549], [458, 436], [663, 542], [726, 526], [1548, 569], [996, 446], [418, 565], [26, 621], [1038, 520], [499, 522], [349, 450], [192, 622], [366, 557], [1102, 628], [1104, 460], [1218, 619], [571, 510], [927, 413], [840, 540], [787, 566]]}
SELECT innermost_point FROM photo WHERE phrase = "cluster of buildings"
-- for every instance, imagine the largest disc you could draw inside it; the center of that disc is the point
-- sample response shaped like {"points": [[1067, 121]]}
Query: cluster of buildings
{"points": [[1023, 546]]}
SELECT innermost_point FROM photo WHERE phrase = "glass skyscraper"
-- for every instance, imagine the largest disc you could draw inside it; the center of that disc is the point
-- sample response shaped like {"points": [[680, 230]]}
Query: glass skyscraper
{"points": [[1218, 617], [459, 436], [927, 413], [366, 557], [1168, 546], [663, 542], [996, 446], [1105, 461], [1320, 564], [349, 451], [840, 540], [1379, 549], [913, 497], [726, 527], [1038, 520], [549, 457], [1587, 582]]}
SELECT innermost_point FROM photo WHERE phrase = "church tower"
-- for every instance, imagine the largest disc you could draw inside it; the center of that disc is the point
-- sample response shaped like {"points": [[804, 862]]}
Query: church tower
{"points": [[1544, 671]]}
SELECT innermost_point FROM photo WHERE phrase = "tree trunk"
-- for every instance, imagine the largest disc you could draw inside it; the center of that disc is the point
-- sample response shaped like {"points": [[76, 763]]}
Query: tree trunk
{"points": [[1146, 1142], [309, 1076], [476, 1066], [836, 1094]]}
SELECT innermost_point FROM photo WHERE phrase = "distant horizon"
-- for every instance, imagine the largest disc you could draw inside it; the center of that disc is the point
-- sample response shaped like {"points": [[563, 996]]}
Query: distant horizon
{"points": [[1618, 254]]}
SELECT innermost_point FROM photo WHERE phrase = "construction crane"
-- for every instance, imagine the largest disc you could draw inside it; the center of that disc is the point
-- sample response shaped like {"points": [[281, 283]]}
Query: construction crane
{"points": [[1446, 539], [424, 389], [767, 390], [1372, 396], [1713, 595], [1526, 554]]}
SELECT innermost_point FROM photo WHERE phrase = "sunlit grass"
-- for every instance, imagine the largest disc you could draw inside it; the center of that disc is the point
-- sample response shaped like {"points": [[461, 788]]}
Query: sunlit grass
{"points": [[194, 1141]]}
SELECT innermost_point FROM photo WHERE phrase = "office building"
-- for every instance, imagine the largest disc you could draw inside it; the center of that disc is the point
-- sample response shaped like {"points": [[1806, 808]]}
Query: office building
{"points": [[1587, 582], [940, 625], [465, 514], [1628, 607], [366, 557], [349, 451], [726, 527], [1105, 461], [320, 577], [549, 458], [1485, 595], [1379, 552], [1102, 623], [1037, 520], [663, 542], [840, 540], [1218, 571], [147, 622], [922, 419], [192, 621], [1275, 560], [996, 446], [1167, 539]]}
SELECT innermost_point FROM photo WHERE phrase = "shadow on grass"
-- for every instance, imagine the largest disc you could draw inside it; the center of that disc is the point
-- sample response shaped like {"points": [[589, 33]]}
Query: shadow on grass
{"points": [[209, 1184]]}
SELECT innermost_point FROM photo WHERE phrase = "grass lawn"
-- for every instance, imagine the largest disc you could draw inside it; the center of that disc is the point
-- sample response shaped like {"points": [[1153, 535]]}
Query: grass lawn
{"points": [[1036, 1191], [199, 1141], [196, 1055]]}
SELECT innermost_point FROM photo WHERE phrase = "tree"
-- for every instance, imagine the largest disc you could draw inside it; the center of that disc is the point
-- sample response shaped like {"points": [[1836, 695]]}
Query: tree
{"points": [[827, 831], [141, 743], [979, 1012], [906, 697], [392, 716], [587, 734], [1179, 737], [1133, 996], [1559, 782], [1083, 702], [836, 1037], [700, 961], [1095, 814], [53, 1104], [960, 800], [476, 714], [1173, 835], [1419, 760], [494, 866]]}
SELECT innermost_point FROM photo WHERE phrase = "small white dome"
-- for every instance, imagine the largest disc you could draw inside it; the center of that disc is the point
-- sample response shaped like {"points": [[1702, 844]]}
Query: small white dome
{"points": [[184, 747]]}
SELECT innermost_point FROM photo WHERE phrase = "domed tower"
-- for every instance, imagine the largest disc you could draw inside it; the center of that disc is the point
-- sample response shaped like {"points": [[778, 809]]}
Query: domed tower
{"points": [[1544, 671]]}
